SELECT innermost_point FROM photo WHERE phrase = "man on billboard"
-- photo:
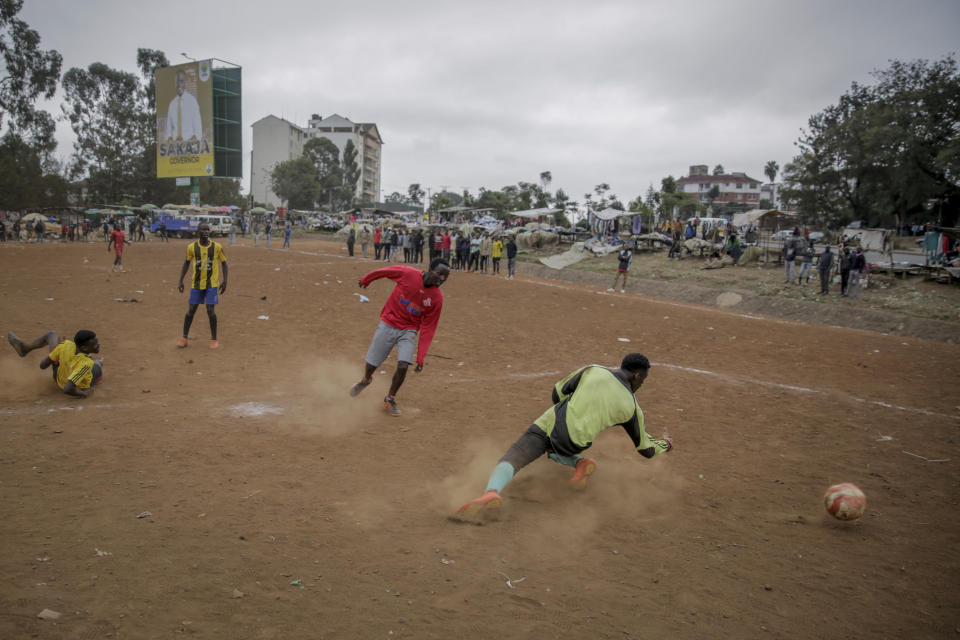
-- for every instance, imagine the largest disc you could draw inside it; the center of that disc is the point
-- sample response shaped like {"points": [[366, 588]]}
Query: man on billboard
{"points": [[183, 115]]}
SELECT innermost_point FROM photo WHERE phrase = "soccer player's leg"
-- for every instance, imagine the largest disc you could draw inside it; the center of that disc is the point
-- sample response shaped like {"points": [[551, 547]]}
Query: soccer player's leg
{"points": [[531, 444], [50, 338], [380, 346]]}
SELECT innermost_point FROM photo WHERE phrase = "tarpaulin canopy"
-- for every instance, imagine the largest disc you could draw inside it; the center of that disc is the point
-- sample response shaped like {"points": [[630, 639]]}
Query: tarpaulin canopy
{"points": [[535, 213], [610, 214], [754, 217]]}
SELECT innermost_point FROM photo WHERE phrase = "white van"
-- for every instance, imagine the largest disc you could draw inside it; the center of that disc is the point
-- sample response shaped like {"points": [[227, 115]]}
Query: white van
{"points": [[219, 224]]}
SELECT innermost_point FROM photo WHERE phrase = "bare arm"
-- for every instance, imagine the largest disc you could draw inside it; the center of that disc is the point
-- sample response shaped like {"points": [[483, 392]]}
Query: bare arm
{"points": [[183, 272], [223, 285]]}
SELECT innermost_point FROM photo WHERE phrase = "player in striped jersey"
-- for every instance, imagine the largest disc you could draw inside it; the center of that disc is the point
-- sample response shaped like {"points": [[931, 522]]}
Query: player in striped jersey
{"points": [[205, 284]]}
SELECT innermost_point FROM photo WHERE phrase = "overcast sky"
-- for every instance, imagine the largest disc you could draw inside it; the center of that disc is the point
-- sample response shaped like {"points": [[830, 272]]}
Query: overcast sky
{"points": [[485, 94]]}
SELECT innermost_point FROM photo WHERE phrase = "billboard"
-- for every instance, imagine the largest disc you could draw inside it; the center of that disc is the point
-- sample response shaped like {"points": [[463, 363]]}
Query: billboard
{"points": [[185, 120]]}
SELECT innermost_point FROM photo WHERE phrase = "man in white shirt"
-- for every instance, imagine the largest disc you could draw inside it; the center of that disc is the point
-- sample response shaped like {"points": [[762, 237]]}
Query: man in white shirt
{"points": [[183, 114]]}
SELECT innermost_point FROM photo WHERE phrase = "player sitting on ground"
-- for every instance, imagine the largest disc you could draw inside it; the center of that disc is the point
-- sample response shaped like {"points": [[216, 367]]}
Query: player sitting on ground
{"points": [[586, 402], [73, 369]]}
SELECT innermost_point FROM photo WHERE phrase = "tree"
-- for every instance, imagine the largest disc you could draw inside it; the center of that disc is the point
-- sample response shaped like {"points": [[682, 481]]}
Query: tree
{"points": [[396, 198], [105, 110], [770, 170], [415, 194], [713, 194], [29, 73], [351, 175], [719, 170], [325, 157], [886, 153], [296, 182]]}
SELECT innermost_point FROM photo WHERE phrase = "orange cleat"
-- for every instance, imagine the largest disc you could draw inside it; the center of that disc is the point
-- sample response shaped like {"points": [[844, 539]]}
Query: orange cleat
{"points": [[487, 503], [581, 476], [182, 343], [214, 344]]}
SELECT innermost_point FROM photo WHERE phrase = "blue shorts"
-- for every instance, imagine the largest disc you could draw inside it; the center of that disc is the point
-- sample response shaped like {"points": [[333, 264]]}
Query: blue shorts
{"points": [[205, 296]]}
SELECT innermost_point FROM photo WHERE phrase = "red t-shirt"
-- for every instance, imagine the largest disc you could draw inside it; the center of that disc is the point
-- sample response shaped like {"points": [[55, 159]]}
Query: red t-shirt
{"points": [[118, 239], [445, 241], [411, 305]]}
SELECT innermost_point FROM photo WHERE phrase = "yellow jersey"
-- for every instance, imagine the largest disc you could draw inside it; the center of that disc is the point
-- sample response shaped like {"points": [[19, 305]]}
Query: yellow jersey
{"points": [[206, 264], [497, 249], [72, 365]]}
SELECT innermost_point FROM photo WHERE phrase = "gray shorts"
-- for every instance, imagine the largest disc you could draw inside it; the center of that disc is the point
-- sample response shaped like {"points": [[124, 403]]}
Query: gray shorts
{"points": [[383, 341]]}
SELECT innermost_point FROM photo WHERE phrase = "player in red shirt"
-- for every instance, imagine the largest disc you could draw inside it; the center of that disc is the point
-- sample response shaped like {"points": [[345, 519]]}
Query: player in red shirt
{"points": [[413, 308], [117, 239]]}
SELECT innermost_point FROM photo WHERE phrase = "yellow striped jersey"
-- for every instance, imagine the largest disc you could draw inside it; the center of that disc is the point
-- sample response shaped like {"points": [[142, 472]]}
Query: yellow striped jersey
{"points": [[72, 365], [206, 264]]}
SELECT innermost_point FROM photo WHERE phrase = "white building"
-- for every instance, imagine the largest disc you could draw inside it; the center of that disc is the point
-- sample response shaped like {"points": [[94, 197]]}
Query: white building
{"points": [[734, 187], [275, 140]]}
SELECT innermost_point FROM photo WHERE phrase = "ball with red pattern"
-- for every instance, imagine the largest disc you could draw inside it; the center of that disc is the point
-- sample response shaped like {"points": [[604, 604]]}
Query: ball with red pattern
{"points": [[845, 501]]}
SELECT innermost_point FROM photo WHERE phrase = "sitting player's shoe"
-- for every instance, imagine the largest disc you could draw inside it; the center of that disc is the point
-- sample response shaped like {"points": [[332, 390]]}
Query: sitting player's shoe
{"points": [[182, 342], [581, 476], [214, 344], [488, 502], [390, 404], [16, 343], [360, 386]]}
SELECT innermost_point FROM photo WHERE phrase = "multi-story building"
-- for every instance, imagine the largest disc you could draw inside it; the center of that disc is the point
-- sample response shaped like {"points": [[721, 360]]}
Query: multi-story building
{"points": [[734, 187], [366, 138], [276, 140]]}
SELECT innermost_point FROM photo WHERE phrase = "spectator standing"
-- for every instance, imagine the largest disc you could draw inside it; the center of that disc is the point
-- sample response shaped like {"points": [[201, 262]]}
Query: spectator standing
{"points": [[846, 262], [377, 245], [287, 232], [267, 229], [511, 258], [233, 231], [825, 266], [475, 243], [364, 238], [406, 244], [351, 239], [806, 260], [858, 266], [445, 246], [624, 258], [486, 250], [418, 246], [496, 251], [790, 257]]}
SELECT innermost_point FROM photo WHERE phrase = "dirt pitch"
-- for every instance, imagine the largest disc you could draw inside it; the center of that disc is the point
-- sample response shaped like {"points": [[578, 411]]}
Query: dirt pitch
{"points": [[280, 507]]}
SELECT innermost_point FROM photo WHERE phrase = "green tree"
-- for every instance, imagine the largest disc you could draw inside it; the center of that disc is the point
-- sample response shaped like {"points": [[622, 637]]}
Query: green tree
{"points": [[713, 194], [415, 194], [770, 170], [105, 110], [325, 157], [719, 170], [396, 198], [295, 181], [886, 153], [29, 73]]}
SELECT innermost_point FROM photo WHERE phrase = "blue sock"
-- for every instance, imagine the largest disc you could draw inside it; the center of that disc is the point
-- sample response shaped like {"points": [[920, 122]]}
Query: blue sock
{"points": [[501, 477], [570, 461]]}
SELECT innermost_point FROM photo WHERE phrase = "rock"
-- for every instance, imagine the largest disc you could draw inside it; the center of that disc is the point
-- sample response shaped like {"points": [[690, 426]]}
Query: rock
{"points": [[729, 299], [47, 614]]}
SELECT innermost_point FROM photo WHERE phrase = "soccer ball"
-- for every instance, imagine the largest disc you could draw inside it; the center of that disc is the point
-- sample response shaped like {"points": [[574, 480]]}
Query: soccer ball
{"points": [[845, 501]]}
